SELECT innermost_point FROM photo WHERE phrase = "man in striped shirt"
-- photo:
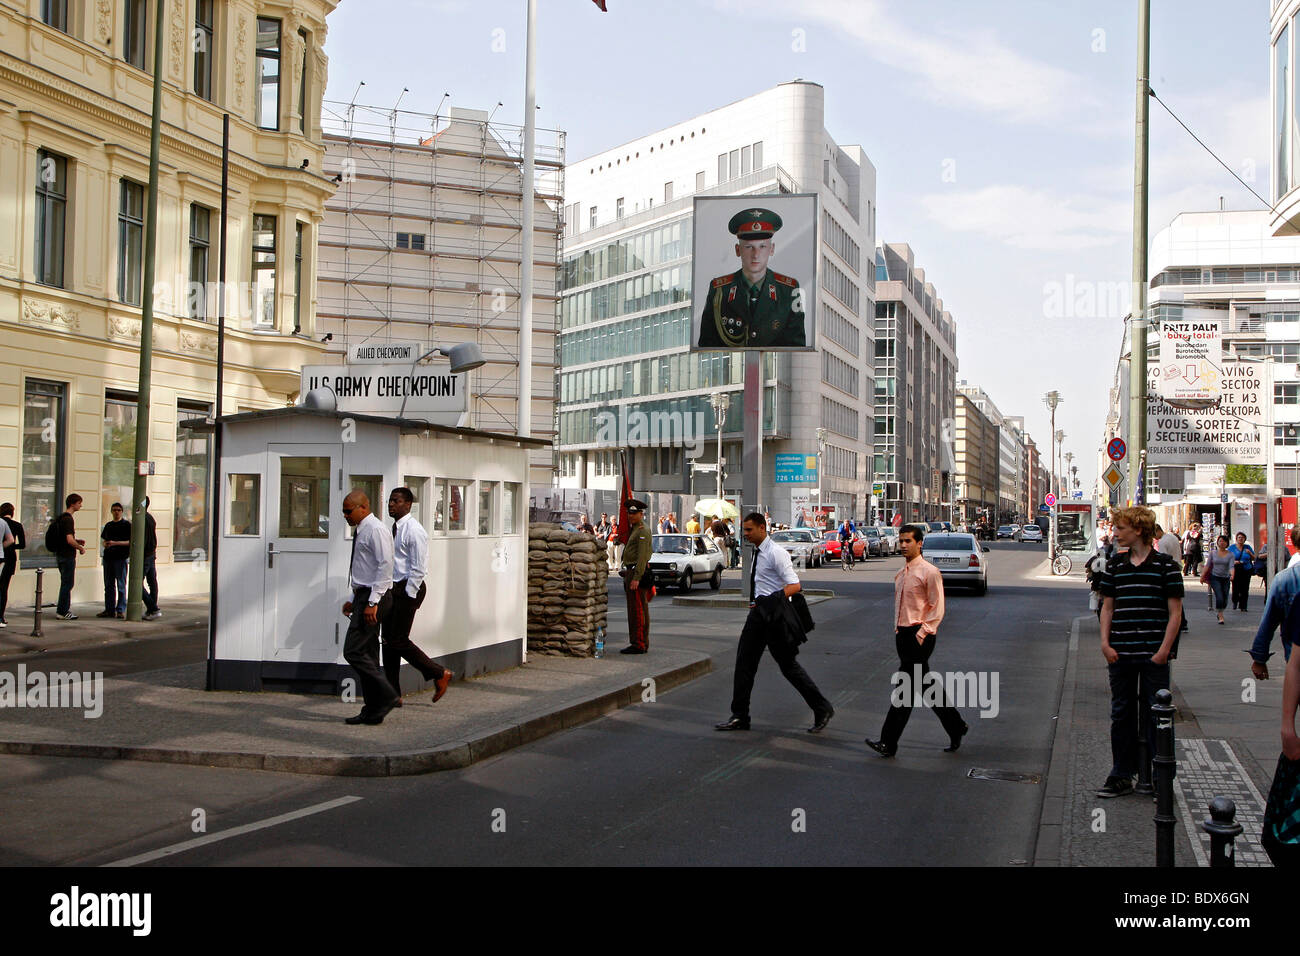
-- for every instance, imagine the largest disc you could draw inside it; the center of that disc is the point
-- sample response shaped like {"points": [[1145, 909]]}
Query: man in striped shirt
{"points": [[1142, 607]]}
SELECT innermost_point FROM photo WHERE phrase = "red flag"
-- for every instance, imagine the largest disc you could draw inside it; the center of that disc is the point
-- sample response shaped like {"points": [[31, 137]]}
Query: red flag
{"points": [[624, 526], [601, 4]]}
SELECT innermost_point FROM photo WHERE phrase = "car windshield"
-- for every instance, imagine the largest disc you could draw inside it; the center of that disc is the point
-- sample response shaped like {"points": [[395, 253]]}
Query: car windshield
{"points": [[831, 534], [871, 533], [948, 542], [787, 536], [671, 544], [1006, 527]]}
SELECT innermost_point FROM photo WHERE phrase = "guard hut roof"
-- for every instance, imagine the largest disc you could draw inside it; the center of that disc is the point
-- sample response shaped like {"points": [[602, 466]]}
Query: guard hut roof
{"points": [[409, 426]]}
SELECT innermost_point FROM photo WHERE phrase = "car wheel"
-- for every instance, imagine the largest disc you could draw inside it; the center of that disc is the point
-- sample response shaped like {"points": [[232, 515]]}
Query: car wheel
{"points": [[688, 581], [715, 580]]}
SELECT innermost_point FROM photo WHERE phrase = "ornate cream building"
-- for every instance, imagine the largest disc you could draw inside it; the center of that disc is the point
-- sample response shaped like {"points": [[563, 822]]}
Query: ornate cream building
{"points": [[75, 104]]}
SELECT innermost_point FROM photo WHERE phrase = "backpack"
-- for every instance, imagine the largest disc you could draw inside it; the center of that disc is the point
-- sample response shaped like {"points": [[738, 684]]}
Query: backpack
{"points": [[55, 543]]}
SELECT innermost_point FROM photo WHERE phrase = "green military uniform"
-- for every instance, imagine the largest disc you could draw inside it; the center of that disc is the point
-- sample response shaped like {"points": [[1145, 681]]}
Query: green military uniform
{"points": [[636, 558], [741, 314]]}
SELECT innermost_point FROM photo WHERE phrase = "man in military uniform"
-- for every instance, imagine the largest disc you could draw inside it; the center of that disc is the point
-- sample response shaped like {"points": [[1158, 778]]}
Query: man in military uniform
{"points": [[755, 307], [636, 582]]}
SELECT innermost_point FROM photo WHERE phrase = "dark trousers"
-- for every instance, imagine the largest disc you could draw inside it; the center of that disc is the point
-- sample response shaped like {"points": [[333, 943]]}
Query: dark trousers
{"points": [[6, 574], [1127, 708], [1240, 585], [115, 585], [1219, 587], [911, 656], [150, 583], [67, 564], [397, 640], [754, 637], [1192, 562], [638, 611], [361, 650]]}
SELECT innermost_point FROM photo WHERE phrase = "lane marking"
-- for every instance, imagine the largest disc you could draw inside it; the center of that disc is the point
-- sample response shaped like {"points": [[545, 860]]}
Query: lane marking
{"points": [[227, 834]]}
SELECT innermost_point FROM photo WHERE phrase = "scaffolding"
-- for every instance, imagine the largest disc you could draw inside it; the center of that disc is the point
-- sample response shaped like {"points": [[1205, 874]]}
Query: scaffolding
{"points": [[450, 186]]}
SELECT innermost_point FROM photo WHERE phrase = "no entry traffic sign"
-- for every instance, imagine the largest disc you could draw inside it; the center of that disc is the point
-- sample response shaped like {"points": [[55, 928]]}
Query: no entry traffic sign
{"points": [[1050, 500], [1117, 449]]}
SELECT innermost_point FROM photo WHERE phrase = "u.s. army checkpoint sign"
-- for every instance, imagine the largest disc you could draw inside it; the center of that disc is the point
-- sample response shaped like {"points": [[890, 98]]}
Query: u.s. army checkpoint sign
{"points": [[431, 394]]}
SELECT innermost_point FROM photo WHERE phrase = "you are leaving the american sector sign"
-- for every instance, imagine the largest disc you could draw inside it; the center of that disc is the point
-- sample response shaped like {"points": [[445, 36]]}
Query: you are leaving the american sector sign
{"points": [[431, 394], [1231, 432]]}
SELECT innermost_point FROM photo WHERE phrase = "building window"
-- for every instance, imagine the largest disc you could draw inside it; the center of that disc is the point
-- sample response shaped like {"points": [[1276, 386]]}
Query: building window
{"points": [[411, 240], [1281, 123], [40, 499], [200, 238], [668, 192], [592, 223], [297, 277], [758, 155], [51, 211], [1285, 394], [118, 470], [302, 87], [268, 73], [135, 33], [746, 157], [203, 48], [264, 271], [193, 466], [130, 242], [55, 13], [699, 181], [722, 168], [618, 208]]}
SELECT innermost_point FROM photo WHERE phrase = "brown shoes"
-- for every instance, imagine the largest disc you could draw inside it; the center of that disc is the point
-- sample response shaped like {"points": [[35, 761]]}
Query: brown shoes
{"points": [[441, 685]]}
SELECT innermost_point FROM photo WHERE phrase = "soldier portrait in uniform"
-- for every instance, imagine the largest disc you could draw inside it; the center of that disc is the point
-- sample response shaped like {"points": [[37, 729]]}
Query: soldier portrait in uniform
{"points": [[755, 306]]}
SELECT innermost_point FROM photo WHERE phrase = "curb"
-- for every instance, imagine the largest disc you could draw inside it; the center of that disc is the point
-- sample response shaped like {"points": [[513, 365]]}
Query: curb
{"points": [[453, 755], [1051, 816]]}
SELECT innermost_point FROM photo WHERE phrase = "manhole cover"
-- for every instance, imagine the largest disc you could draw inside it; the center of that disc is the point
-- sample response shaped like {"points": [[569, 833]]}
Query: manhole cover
{"points": [[982, 773]]}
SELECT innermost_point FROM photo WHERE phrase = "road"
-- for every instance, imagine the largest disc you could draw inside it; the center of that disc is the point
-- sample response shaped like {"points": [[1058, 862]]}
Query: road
{"points": [[653, 784]]}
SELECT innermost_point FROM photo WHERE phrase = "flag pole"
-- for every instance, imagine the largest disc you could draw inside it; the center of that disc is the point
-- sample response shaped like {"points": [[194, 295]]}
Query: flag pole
{"points": [[526, 246]]}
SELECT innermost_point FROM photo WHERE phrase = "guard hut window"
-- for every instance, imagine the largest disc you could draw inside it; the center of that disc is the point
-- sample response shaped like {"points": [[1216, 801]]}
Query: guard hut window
{"points": [[268, 73], [51, 214], [509, 507], [135, 32], [55, 13], [419, 487], [203, 48], [200, 238], [457, 503], [40, 497], [264, 271], [304, 497], [487, 494], [373, 486]]}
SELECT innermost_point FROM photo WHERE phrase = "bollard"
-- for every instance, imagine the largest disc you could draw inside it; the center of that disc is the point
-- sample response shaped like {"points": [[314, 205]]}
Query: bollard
{"points": [[1165, 767], [36, 626], [1144, 786], [1223, 831]]}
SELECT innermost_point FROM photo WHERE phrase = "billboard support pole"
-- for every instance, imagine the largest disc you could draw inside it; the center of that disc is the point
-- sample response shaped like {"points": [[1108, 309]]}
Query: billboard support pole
{"points": [[752, 488]]}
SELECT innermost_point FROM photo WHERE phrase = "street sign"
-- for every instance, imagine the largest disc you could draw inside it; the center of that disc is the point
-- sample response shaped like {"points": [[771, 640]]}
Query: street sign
{"points": [[1113, 477], [381, 353], [1117, 449], [1191, 354], [795, 470], [1078, 495], [1223, 498], [426, 394], [1227, 433], [1050, 499], [878, 489], [1043, 509]]}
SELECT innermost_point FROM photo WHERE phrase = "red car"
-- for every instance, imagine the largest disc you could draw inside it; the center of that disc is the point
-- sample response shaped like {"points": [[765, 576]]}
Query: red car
{"points": [[832, 539]]}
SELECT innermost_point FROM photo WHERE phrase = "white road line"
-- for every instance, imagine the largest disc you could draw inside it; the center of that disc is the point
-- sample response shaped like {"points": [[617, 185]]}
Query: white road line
{"points": [[227, 834]]}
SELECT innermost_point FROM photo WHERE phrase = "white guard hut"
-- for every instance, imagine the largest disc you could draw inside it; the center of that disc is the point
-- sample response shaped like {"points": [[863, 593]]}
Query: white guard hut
{"points": [[282, 576]]}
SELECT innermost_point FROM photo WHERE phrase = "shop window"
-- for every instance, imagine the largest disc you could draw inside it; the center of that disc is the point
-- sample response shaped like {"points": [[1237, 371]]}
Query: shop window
{"points": [[40, 499], [244, 505], [193, 466], [119, 451]]}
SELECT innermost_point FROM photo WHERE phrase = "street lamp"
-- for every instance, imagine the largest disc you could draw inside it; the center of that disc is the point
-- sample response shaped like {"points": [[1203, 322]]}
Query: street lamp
{"points": [[1065, 477], [821, 447], [464, 357], [1052, 399], [1060, 444], [720, 401]]}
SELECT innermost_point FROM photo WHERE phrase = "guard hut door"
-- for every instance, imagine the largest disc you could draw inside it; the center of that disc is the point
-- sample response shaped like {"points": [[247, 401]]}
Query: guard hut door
{"points": [[301, 611]]}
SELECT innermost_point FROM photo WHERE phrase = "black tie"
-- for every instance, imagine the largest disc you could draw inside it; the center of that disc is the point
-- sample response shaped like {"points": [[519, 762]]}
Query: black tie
{"points": [[753, 573], [353, 557], [394, 530]]}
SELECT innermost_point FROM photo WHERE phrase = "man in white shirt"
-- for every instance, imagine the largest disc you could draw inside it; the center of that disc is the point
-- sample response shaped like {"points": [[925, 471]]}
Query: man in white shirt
{"points": [[772, 580], [410, 561], [371, 573]]}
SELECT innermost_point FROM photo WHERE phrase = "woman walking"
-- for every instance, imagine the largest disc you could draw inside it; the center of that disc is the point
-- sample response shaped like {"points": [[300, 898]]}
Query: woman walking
{"points": [[1218, 574], [1243, 556], [1192, 549]]}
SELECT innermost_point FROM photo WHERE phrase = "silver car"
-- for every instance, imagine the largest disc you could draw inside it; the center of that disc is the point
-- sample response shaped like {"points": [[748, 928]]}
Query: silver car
{"points": [[959, 558], [682, 559], [803, 545]]}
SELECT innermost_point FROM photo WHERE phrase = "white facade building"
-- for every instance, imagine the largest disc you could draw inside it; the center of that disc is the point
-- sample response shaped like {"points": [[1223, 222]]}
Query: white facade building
{"points": [[626, 310]]}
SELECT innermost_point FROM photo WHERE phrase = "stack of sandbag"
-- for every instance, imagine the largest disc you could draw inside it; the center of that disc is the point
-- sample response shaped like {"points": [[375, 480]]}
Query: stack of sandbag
{"points": [[568, 591]]}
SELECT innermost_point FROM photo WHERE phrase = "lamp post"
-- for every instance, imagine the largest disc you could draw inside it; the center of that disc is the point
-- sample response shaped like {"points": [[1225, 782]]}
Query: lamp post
{"points": [[1052, 399], [721, 402], [1060, 443], [1065, 475], [821, 447]]}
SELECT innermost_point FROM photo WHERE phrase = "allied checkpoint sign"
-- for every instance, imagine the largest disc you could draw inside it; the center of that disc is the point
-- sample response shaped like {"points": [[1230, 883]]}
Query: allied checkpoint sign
{"points": [[754, 273], [431, 394], [1191, 356], [1231, 432]]}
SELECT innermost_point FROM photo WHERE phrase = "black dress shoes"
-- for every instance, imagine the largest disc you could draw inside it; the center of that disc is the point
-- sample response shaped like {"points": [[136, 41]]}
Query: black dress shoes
{"points": [[733, 723], [358, 719], [880, 748], [955, 742], [632, 650], [820, 721]]}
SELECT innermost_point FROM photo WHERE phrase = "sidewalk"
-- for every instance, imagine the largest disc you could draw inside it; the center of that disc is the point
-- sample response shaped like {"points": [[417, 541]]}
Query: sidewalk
{"points": [[166, 716], [1226, 746]]}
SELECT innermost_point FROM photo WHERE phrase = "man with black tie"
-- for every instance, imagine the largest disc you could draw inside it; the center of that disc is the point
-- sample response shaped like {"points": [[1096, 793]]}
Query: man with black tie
{"points": [[371, 572], [410, 559], [772, 580]]}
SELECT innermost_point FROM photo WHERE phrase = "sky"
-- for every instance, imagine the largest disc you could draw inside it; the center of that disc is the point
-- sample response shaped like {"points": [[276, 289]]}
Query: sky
{"points": [[1002, 134]]}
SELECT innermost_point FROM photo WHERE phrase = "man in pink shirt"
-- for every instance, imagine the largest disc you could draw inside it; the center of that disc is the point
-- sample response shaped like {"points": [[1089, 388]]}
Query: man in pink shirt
{"points": [[918, 611]]}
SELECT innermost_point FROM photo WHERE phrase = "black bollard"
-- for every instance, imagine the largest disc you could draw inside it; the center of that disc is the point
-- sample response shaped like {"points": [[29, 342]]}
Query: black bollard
{"points": [[1165, 767], [1223, 831], [36, 627], [1144, 786]]}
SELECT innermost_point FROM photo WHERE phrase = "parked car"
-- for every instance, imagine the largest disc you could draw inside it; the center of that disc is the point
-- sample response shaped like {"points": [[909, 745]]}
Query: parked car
{"points": [[1031, 532], [805, 548], [890, 534], [1006, 531], [832, 541], [680, 560], [875, 541], [959, 558]]}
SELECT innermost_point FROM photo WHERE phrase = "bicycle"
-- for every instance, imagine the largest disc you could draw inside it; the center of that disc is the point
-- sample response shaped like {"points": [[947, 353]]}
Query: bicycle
{"points": [[846, 555], [1062, 564]]}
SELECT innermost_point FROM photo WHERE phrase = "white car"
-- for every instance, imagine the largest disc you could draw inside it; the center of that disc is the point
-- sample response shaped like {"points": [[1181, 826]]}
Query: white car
{"points": [[1031, 532], [682, 559], [803, 545], [959, 558]]}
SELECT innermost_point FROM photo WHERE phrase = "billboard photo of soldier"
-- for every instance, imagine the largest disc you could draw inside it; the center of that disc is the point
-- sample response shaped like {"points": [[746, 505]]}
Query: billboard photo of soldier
{"points": [[754, 274]]}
